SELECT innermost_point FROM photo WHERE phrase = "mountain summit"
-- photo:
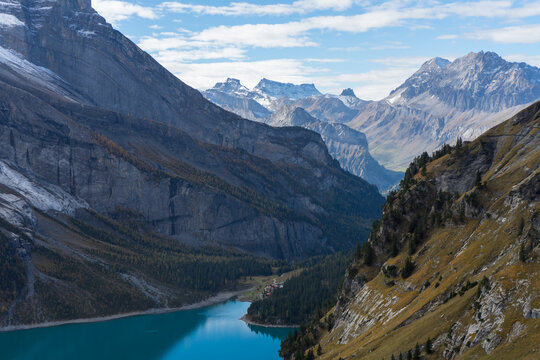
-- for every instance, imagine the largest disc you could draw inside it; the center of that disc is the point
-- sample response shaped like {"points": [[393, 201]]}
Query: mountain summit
{"points": [[348, 92], [443, 101], [277, 89]]}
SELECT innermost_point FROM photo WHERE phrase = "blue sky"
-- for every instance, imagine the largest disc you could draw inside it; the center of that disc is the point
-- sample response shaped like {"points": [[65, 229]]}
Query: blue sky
{"points": [[370, 46]]}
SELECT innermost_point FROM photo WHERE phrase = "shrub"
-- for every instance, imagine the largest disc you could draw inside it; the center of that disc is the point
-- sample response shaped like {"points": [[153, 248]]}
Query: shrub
{"points": [[408, 268]]}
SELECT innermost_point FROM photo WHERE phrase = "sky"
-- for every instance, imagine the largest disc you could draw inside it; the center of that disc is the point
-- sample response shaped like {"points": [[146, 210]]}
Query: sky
{"points": [[369, 46]]}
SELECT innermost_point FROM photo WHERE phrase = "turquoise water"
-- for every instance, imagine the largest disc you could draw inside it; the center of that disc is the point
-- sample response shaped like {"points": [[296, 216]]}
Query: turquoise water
{"points": [[213, 332]]}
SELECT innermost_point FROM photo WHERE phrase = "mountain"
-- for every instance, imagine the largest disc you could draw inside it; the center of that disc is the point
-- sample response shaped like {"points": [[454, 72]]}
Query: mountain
{"points": [[277, 89], [233, 96], [266, 97], [346, 145], [281, 109], [453, 264], [445, 100], [123, 189], [330, 108]]}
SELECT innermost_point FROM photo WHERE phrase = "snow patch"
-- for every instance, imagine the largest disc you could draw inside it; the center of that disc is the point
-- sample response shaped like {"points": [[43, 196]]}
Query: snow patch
{"points": [[86, 33], [41, 196], [34, 73], [8, 20]]}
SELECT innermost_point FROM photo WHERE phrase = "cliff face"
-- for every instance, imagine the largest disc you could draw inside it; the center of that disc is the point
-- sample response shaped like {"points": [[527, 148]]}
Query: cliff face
{"points": [[346, 145], [85, 109], [467, 225], [123, 189]]}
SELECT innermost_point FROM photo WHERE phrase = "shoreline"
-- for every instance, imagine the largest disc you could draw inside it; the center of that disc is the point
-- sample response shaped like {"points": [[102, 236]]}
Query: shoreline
{"points": [[214, 300], [250, 322]]}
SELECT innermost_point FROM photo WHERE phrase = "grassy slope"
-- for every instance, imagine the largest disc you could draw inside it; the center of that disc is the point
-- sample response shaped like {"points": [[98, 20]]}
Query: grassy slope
{"points": [[385, 320]]}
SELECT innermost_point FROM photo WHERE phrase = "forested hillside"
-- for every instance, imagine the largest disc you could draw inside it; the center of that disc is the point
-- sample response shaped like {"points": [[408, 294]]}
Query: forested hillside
{"points": [[453, 264]]}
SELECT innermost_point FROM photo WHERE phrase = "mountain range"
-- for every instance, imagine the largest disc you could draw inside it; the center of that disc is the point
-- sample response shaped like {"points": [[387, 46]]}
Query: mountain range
{"points": [[281, 105], [439, 103], [122, 188]]}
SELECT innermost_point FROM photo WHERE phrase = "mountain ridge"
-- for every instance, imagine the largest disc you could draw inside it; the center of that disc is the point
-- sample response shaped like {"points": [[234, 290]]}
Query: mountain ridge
{"points": [[464, 218], [281, 110]]}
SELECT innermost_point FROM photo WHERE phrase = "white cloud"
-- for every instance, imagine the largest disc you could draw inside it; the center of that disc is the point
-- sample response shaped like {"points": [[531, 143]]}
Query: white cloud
{"points": [[156, 27], [177, 56], [390, 45], [447, 37], [245, 8], [410, 61], [523, 34], [116, 11], [533, 60], [205, 75], [369, 85], [390, 14]]}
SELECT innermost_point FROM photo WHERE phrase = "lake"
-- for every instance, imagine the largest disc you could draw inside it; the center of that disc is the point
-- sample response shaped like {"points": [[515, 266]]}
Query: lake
{"points": [[214, 332]]}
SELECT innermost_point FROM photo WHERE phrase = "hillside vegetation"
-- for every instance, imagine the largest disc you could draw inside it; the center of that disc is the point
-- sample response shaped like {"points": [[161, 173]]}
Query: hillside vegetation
{"points": [[454, 263]]}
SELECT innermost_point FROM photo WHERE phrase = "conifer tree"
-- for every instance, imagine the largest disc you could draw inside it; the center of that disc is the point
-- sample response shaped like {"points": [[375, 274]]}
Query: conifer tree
{"points": [[429, 346], [416, 355]]}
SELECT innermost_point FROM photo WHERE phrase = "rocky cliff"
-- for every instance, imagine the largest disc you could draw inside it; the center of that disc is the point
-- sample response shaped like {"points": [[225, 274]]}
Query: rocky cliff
{"points": [[453, 264], [87, 110]]}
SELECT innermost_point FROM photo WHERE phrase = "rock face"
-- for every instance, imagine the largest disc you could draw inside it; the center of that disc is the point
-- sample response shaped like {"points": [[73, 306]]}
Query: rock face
{"points": [[445, 100], [468, 225], [279, 104], [86, 110], [346, 145]]}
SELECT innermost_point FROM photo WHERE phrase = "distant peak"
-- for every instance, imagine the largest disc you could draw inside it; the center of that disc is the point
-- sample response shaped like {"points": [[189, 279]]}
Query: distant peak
{"points": [[230, 85], [436, 62], [348, 92], [279, 89], [482, 56]]}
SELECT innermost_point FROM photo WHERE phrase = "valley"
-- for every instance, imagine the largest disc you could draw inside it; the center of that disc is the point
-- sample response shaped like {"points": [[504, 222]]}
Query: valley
{"points": [[144, 216]]}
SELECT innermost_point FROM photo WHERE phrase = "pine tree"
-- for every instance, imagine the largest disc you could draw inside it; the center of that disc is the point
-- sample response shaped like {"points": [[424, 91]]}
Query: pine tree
{"points": [[368, 254], [310, 355], [408, 268], [409, 355], [416, 355], [395, 248], [358, 252], [319, 350], [478, 181], [429, 345]]}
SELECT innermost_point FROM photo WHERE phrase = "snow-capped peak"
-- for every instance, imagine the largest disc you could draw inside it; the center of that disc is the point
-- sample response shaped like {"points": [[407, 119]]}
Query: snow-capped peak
{"points": [[434, 64], [231, 86], [277, 89]]}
